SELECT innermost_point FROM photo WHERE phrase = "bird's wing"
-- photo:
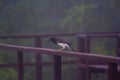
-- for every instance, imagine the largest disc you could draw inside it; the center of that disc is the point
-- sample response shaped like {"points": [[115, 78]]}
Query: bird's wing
{"points": [[63, 41]]}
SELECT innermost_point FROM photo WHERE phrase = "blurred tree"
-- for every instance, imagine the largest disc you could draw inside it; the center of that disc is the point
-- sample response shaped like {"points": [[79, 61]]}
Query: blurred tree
{"points": [[93, 16], [8, 74]]}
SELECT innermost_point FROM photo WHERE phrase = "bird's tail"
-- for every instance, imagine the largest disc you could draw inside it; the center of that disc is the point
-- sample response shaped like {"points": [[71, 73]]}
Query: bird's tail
{"points": [[72, 48]]}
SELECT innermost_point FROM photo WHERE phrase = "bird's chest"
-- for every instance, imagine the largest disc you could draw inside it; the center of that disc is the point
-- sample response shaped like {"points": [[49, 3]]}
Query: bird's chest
{"points": [[63, 45]]}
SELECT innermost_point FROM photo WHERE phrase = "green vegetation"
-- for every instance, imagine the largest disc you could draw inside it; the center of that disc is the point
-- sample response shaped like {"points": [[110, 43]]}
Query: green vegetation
{"points": [[51, 16]]}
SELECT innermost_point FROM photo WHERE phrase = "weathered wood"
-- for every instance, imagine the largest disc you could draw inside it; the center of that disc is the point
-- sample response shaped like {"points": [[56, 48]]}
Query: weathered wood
{"points": [[118, 46], [38, 43], [96, 35], [83, 46], [20, 65], [90, 57], [43, 64], [83, 43], [102, 34], [57, 68], [112, 72], [82, 54]]}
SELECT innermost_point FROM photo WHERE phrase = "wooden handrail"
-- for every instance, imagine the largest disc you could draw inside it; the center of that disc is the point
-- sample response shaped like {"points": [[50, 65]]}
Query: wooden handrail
{"points": [[91, 57], [64, 34]]}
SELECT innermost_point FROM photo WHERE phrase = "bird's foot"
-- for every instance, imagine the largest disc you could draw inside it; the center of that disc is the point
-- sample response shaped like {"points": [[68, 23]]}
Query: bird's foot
{"points": [[60, 50]]}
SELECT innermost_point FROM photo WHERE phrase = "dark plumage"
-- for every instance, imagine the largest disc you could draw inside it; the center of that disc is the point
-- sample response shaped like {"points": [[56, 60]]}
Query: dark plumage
{"points": [[61, 43]]}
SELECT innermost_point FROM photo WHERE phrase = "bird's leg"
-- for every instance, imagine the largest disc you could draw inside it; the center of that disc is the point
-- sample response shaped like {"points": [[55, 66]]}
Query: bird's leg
{"points": [[60, 49], [62, 45]]}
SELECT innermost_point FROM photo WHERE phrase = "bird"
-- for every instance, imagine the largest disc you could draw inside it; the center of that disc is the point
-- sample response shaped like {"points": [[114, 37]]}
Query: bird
{"points": [[61, 42]]}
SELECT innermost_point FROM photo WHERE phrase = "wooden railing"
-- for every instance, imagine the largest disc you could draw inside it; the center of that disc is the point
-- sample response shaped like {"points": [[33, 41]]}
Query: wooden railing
{"points": [[111, 61], [84, 59]]}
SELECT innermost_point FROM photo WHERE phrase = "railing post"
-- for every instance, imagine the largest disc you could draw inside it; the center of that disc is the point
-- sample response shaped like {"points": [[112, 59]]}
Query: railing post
{"points": [[57, 68], [118, 46], [38, 43], [20, 65], [118, 51], [112, 71], [83, 46]]}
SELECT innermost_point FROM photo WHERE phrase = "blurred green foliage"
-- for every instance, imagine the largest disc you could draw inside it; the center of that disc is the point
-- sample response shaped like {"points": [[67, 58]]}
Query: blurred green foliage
{"points": [[51, 16], [8, 74]]}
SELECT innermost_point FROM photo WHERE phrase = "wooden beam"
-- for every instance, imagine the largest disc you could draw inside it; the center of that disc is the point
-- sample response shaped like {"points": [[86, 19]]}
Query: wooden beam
{"points": [[96, 34], [85, 56], [84, 47], [38, 43], [43, 64], [20, 65], [57, 68], [112, 72], [118, 46]]}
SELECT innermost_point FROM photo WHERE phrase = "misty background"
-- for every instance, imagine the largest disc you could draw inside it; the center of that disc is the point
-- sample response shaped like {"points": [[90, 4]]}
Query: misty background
{"points": [[59, 16], [56, 16]]}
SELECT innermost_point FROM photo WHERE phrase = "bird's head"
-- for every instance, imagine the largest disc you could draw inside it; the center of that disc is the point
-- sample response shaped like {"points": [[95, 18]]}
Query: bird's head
{"points": [[52, 39]]}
